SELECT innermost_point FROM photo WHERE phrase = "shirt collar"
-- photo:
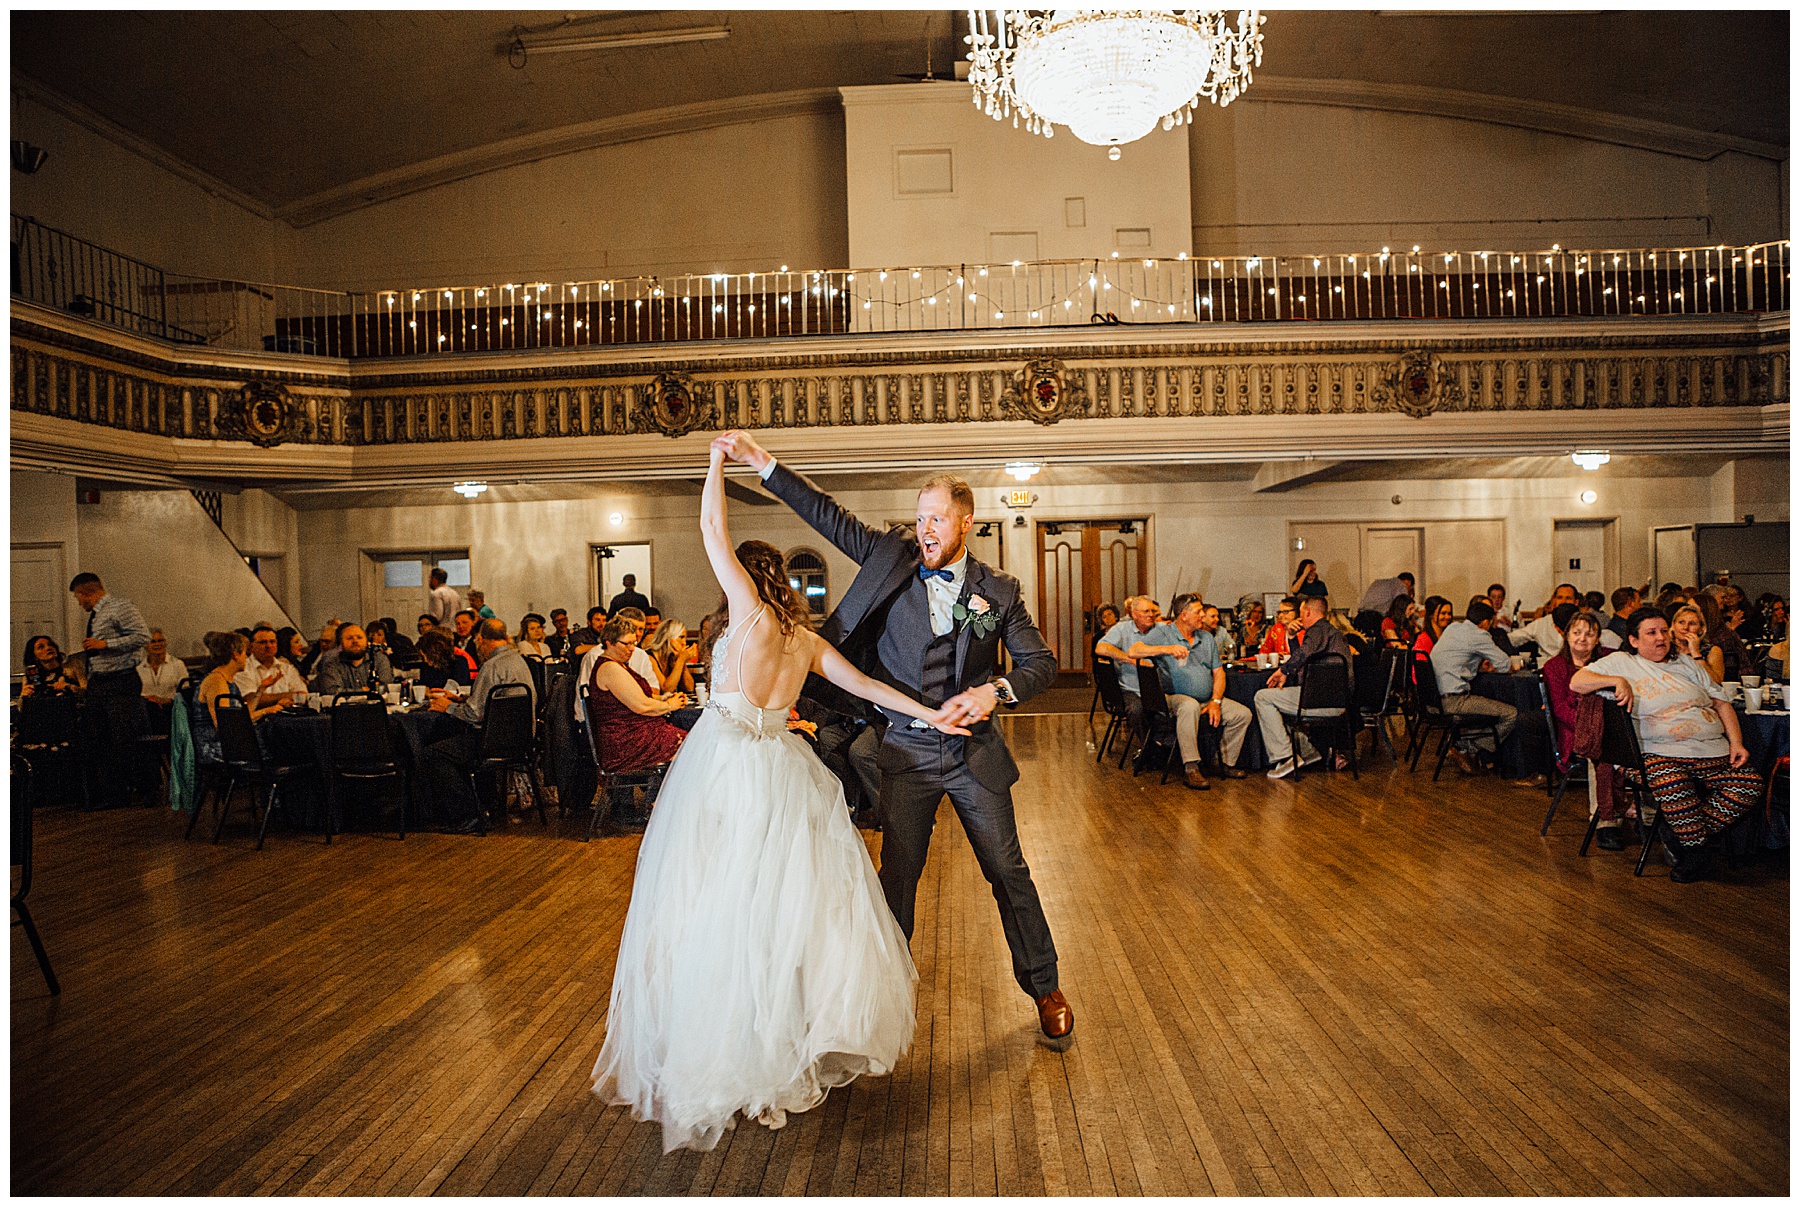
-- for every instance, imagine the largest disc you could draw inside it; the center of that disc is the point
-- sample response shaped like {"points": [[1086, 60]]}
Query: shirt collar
{"points": [[958, 569]]}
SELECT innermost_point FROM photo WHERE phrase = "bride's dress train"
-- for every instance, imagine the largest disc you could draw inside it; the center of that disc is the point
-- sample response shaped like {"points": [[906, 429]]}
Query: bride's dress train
{"points": [[759, 965]]}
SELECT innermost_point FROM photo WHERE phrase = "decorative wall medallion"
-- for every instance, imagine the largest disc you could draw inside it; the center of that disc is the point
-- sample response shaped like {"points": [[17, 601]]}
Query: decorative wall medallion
{"points": [[669, 405], [261, 413], [1418, 385], [1039, 393]]}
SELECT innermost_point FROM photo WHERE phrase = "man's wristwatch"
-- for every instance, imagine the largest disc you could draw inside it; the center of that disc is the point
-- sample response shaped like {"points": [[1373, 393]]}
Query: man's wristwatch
{"points": [[1004, 693]]}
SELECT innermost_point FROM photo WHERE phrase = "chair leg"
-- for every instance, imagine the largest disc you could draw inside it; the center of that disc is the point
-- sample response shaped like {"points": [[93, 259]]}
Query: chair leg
{"points": [[602, 791], [480, 813], [1355, 775], [1130, 737], [1450, 733], [1555, 800], [1651, 837], [225, 806], [537, 797], [37, 946], [1592, 829], [268, 812], [404, 798], [1093, 705], [1387, 738], [200, 796]]}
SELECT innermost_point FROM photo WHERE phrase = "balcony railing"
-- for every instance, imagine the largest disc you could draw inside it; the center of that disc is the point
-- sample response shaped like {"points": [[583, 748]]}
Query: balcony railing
{"points": [[56, 269]]}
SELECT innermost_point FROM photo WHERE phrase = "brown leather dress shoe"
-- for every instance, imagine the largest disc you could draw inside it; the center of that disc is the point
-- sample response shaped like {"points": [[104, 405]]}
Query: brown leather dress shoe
{"points": [[1055, 1017], [1195, 779], [1233, 773]]}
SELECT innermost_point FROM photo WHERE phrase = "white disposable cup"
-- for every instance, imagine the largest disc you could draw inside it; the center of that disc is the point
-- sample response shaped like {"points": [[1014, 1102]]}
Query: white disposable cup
{"points": [[1753, 699], [1752, 680]]}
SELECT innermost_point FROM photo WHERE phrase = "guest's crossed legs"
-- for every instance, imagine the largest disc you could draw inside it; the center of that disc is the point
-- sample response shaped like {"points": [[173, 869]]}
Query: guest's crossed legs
{"points": [[910, 803]]}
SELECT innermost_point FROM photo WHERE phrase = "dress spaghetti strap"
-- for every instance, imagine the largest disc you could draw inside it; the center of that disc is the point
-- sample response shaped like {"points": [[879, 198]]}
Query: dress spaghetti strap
{"points": [[737, 664]]}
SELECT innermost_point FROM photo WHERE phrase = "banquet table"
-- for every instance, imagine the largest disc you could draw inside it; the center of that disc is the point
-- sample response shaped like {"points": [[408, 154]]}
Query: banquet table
{"points": [[1242, 684], [1766, 738], [1526, 750], [304, 737]]}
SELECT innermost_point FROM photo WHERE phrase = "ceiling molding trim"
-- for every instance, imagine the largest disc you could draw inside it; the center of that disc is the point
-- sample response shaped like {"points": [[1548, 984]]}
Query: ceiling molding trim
{"points": [[547, 144], [30, 89], [1592, 124]]}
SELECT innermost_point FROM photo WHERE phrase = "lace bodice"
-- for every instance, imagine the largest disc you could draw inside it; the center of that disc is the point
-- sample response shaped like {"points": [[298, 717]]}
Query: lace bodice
{"points": [[727, 695]]}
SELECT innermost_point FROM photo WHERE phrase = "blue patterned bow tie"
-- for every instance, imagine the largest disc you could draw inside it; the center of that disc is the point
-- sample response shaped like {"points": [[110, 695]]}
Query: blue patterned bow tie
{"points": [[926, 575]]}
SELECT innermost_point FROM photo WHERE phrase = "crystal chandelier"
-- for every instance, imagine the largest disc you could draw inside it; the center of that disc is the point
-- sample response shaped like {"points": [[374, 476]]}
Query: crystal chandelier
{"points": [[1110, 75]]}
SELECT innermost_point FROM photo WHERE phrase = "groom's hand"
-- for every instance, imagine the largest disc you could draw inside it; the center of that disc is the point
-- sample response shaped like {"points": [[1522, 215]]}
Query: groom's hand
{"points": [[742, 448], [974, 704]]}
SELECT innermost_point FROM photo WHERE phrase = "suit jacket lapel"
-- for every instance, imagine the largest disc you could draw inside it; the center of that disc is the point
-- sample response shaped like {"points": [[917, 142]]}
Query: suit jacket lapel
{"points": [[965, 634]]}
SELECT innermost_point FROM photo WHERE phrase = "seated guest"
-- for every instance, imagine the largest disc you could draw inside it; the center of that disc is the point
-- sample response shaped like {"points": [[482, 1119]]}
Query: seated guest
{"points": [[445, 763], [398, 643], [1670, 597], [1694, 756], [632, 724], [45, 671], [160, 675], [424, 624], [376, 634], [1625, 601], [1397, 626], [1581, 647], [229, 652], [1774, 616], [1105, 617], [442, 663], [531, 636], [1282, 695], [478, 604], [1593, 601], [673, 655], [1439, 612], [1720, 632], [1186, 654], [1496, 597], [558, 639], [1307, 581], [291, 645], [1779, 653], [462, 629], [1464, 650], [1116, 642], [266, 676], [588, 636], [1353, 637], [1688, 629], [1279, 637], [652, 617], [353, 666], [1543, 630], [639, 661], [1384, 591], [1564, 593], [326, 643], [1253, 622]]}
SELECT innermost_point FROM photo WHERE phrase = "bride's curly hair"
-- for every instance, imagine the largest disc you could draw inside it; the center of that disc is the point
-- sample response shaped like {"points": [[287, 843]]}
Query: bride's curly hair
{"points": [[768, 570]]}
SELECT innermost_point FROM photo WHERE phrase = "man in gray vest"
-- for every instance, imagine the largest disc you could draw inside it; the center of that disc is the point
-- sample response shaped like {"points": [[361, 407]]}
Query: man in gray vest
{"points": [[925, 617]]}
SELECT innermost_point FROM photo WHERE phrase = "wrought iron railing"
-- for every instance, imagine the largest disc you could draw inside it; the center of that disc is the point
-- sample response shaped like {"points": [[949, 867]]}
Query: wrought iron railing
{"points": [[58, 270]]}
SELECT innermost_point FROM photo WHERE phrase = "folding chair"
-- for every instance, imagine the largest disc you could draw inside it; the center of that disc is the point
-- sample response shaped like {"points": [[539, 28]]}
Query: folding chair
{"points": [[1118, 713], [508, 733], [1393, 699], [360, 747], [1159, 718], [1560, 780], [1325, 685], [244, 761], [648, 778], [1455, 726], [21, 854]]}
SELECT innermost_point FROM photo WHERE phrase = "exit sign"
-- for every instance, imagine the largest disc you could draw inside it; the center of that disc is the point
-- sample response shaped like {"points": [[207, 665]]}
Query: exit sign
{"points": [[1020, 498]]}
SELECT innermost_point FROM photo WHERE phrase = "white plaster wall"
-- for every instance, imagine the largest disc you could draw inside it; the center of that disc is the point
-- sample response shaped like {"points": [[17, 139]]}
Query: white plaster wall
{"points": [[1004, 180], [42, 512], [1280, 179], [158, 549], [744, 198], [1218, 537], [259, 523], [97, 190]]}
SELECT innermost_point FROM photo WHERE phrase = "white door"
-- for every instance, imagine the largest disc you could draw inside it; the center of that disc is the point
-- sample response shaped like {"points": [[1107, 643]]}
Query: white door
{"points": [[39, 597], [1581, 555], [613, 562], [401, 591], [1062, 597], [1387, 552], [1674, 557]]}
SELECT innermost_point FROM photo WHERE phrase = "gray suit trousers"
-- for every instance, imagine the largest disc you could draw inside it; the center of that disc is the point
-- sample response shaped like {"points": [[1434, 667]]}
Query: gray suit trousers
{"points": [[936, 766]]}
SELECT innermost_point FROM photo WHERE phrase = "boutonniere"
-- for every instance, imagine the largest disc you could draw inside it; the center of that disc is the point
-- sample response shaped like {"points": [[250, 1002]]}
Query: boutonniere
{"points": [[978, 615]]}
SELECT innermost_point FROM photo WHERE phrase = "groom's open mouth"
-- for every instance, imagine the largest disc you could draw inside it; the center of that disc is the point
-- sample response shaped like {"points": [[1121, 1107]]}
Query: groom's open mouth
{"points": [[928, 547]]}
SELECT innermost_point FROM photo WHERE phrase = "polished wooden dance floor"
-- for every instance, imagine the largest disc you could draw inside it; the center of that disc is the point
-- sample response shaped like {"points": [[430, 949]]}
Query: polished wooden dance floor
{"points": [[1331, 988]]}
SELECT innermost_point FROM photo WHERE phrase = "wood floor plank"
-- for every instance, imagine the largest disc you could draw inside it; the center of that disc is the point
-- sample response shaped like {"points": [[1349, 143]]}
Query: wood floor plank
{"points": [[1379, 986]]}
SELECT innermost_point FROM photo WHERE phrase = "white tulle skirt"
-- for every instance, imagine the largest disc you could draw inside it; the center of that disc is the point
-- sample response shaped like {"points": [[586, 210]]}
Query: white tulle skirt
{"points": [[759, 965]]}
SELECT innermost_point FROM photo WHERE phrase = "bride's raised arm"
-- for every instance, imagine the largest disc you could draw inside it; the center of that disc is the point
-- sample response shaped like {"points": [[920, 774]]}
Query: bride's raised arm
{"points": [[740, 591]]}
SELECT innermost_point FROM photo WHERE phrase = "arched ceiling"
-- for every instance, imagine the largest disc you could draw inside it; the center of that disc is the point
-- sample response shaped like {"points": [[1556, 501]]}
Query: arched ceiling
{"points": [[302, 113]]}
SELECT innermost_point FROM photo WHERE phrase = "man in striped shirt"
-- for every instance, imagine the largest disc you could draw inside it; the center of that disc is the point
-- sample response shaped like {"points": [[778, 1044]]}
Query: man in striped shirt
{"points": [[115, 717]]}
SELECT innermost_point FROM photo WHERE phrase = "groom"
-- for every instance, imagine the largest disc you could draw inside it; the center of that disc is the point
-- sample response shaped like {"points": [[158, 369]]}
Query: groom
{"points": [[927, 618]]}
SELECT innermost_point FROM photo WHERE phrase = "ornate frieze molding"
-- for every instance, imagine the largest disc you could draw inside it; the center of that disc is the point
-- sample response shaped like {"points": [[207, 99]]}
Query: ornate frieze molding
{"points": [[1399, 373]]}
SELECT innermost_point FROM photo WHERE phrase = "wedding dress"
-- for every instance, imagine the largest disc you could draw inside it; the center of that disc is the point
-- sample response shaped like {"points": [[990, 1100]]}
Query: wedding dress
{"points": [[759, 965]]}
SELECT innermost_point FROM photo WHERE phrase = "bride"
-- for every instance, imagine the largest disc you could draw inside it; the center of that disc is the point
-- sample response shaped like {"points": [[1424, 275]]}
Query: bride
{"points": [[759, 965]]}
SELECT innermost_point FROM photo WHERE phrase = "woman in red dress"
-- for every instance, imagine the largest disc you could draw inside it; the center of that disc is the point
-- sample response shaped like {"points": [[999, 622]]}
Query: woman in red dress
{"points": [[629, 716]]}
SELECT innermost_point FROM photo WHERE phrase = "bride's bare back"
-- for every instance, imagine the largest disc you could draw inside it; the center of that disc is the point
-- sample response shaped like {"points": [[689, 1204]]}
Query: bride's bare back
{"points": [[768, 666]]}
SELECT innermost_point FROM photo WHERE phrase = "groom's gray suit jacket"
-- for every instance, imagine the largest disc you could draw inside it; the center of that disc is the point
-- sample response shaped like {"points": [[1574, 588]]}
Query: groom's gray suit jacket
{"points": [[883, 626]]}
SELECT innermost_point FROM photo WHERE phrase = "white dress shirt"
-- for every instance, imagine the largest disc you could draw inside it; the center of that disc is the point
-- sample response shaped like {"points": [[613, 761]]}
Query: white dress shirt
{"points": [[943, 594], [1543, 631], [249, 680], [445, 604], [161, 681]]}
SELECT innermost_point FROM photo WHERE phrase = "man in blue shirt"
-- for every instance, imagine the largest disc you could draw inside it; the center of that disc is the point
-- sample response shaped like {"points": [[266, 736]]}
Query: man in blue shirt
{"points": [[116, 716], [1463, 651], [1187, 658], [1140, 618]]}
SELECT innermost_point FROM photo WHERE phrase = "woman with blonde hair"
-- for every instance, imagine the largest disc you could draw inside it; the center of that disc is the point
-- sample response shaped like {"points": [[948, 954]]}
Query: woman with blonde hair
{"points": [[674, 656], [1688, 628], [760, 965]]}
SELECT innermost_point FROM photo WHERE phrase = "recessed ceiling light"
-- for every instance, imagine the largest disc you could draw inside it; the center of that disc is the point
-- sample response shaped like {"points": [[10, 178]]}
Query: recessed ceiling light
{"points": [[469, 490]]}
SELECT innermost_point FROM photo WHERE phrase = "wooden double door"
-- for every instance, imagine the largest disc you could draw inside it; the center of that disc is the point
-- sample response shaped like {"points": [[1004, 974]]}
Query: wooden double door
{"points": [[1081, 565]]}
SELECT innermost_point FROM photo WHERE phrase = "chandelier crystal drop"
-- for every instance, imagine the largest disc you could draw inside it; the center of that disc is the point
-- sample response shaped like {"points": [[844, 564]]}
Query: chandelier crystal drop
{"points": [[1109, 75]]}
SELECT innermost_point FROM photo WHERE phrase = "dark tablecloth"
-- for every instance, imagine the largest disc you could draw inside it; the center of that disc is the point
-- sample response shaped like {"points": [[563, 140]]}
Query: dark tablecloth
{"points": [[1242, 686], [1766, 738], [305, 737], [1526, 750]]}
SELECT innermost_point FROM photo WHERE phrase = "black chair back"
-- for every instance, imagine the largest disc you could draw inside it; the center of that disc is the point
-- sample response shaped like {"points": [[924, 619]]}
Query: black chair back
{"points": [[1425, 685], [507, 724], [1325, 683], [1387, 673], [1106, 678], [538, 673], [588, 704], [359, 731], [237, 734], [1556, 752], [1619, 740], [21, 820], [1150, 691]]}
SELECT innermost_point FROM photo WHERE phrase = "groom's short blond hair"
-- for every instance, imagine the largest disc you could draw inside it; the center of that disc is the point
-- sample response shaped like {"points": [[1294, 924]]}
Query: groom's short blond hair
{"points": [[955, 487]]}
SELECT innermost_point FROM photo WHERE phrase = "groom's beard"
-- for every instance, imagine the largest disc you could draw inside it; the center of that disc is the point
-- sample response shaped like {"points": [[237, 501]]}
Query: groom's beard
{"points": [[945, 555]]}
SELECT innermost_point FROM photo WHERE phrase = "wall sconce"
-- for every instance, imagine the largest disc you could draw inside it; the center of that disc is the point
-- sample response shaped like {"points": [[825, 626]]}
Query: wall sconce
{"points": [[616, 519], [1589, 497], [1023, 471], [1590, 461]]}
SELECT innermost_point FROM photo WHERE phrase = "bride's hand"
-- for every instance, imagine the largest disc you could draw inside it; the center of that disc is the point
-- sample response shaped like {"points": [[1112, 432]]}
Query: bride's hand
{"points": [[942, 722]]}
